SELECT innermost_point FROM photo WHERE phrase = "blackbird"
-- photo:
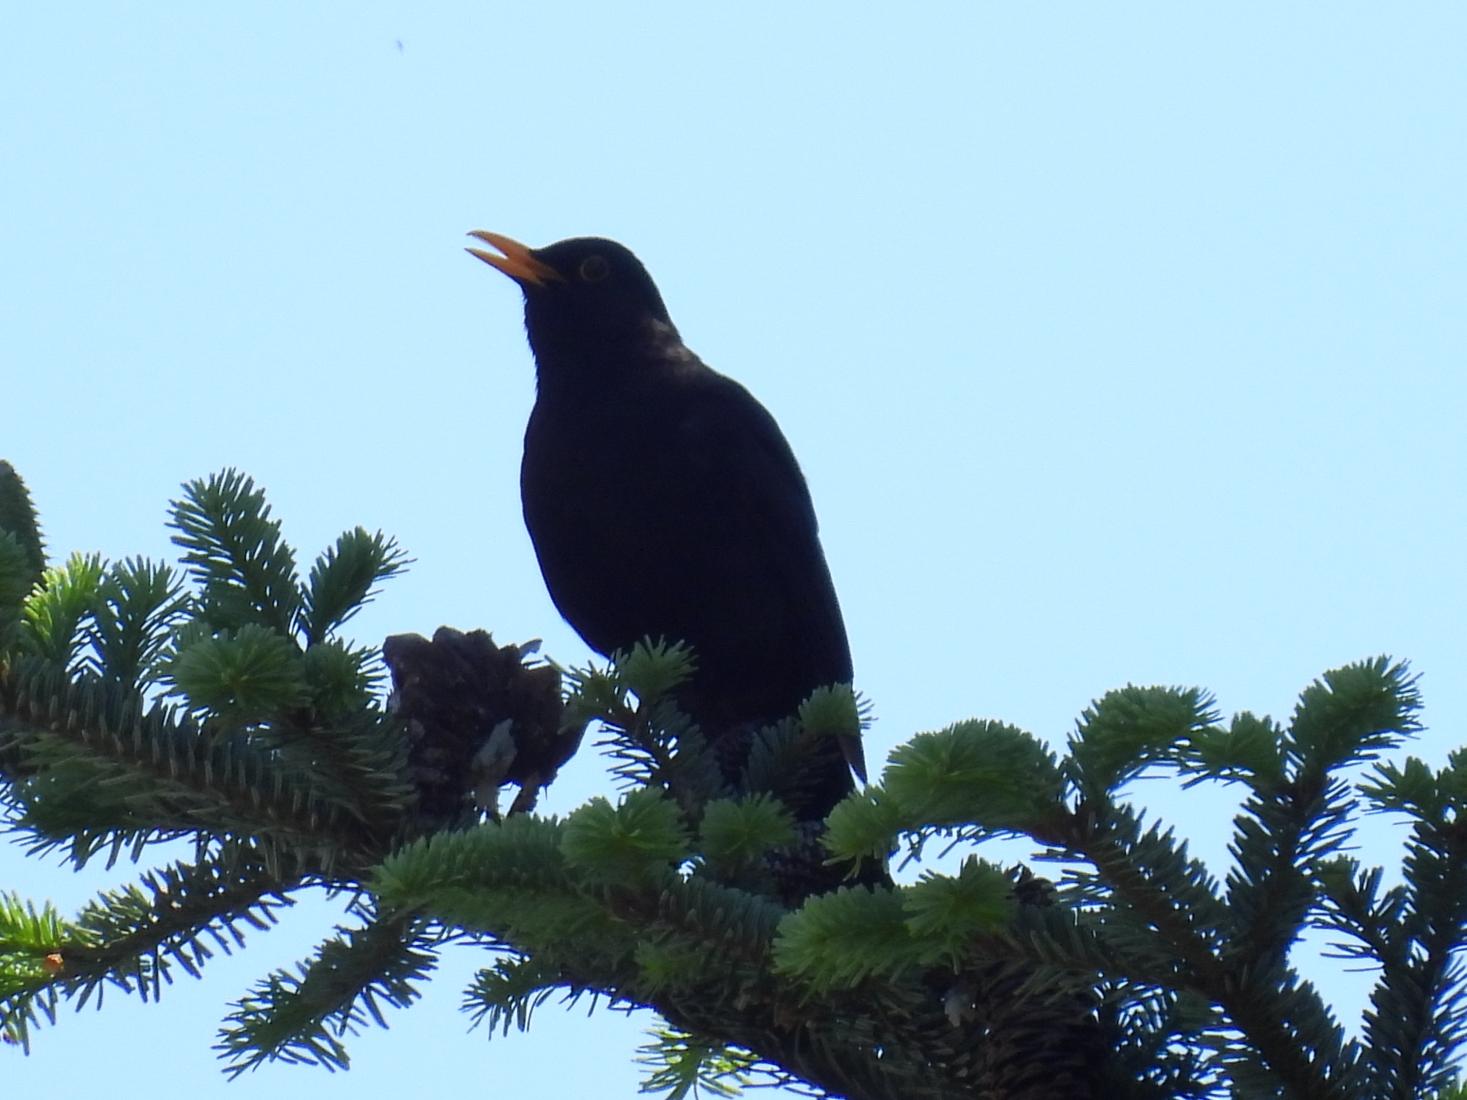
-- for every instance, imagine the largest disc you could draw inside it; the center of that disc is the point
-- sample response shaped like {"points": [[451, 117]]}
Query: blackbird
{"points": [[663, 501]]}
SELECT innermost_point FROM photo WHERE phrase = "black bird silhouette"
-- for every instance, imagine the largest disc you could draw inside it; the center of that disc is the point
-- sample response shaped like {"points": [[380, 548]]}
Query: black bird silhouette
{"points": [[663, 501]]}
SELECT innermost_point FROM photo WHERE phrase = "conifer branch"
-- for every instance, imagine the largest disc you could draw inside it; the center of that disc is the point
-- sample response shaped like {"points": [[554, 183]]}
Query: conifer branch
{"points": [[138, 605], [234, 551], [132, 937], [697, 893], [344, 579], [1291, 824], [686, 1065], [1418, 1016], [1287, 1024], [302, 1017], [18, 521], [162, 774], [509, 992]]}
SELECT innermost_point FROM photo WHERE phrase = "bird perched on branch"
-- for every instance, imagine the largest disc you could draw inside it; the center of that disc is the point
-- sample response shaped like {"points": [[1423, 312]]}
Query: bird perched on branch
{"points": [[663, 501]]}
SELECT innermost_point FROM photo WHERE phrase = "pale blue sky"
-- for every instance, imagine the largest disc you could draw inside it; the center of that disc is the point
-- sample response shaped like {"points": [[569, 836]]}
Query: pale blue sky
{"points": [[1119, 343]]}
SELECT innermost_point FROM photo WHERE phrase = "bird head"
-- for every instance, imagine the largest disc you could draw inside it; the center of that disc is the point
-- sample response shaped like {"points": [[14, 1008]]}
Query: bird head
{"points": [[584, 297]]}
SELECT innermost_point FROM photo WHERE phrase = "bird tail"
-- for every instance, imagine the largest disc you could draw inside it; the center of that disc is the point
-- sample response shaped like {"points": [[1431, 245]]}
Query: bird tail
{"points": [[850, 749]]}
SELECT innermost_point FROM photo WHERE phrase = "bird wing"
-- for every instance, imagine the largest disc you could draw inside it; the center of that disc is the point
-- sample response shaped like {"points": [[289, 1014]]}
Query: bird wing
{"points": [[758, 498]]}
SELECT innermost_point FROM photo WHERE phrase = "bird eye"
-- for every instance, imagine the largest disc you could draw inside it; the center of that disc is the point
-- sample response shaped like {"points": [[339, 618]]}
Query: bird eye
{"points": [[594, 268]]}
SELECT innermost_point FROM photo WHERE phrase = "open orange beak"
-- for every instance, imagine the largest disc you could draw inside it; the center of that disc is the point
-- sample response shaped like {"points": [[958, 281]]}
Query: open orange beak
{"points": [[517, 262]]}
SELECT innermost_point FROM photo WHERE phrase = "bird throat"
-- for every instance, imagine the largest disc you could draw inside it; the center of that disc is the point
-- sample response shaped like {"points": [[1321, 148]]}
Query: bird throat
{"points": [[586, 364]]}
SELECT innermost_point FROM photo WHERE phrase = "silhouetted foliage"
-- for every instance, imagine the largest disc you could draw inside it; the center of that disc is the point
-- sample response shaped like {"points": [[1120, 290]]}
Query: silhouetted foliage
{"points": [[224, 705]]}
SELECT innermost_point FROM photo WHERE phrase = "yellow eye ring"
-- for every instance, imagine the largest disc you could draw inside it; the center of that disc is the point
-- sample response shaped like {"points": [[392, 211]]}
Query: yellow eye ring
{"points": [[594, 269]]}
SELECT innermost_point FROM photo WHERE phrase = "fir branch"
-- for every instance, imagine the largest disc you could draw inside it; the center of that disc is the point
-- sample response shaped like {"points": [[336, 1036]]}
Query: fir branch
{"points": [[1418, 1014], [984, 773], [21, 1012], [32, 952], [652, 668], [359, 760], [28, 931], [863, 824], [667, 965], [656, 745], [141, 931], [1135, 979], [897, 1045], [1124, 731], [311, 710], [685, 1066], [509, 992], [340, 678], [642, 750], [1249, 750], [1298, 1041], [234, 551], [344, 579], [1282, 835], [16, 582], [782, 761], [241, 677], [1354, 712], [1156, 1038], [1139, 868], [652, 744], [949, 912], [728, 926], [839, 940], [18, 520], [301, 1018], [735, 834], [1351, 903], [1290, 826], [162, 772], [508, 879], [520, 849], [132, 937], [633, 842], [138, 605], [57, 610]]}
